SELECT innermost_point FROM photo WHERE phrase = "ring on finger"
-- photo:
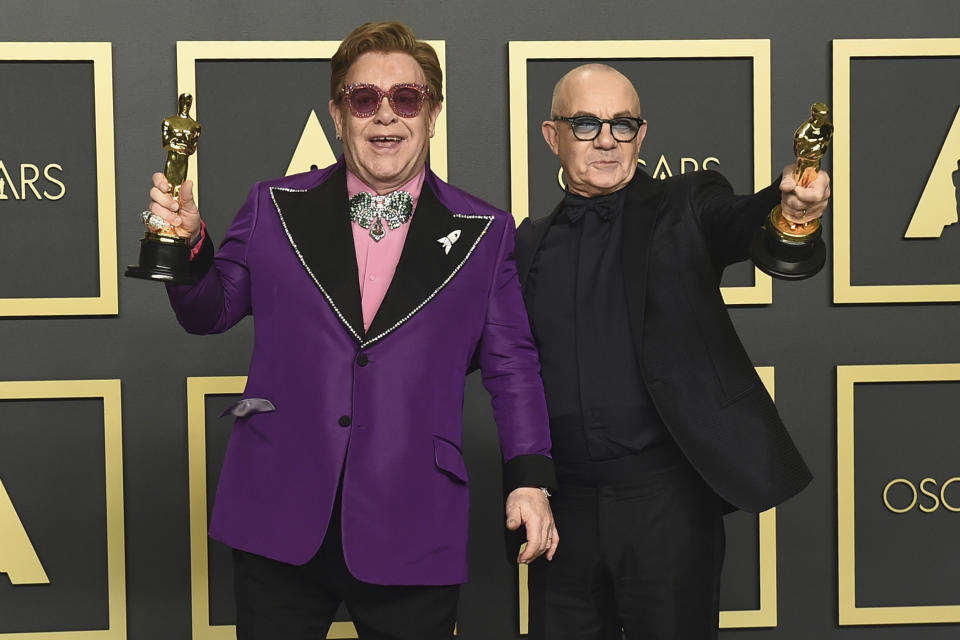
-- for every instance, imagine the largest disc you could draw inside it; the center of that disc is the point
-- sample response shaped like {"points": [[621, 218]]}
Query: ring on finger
{"points": [[155, 222]]}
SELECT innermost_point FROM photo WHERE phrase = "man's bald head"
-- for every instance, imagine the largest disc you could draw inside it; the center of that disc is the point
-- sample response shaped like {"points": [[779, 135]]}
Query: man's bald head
{"points": [[585, 76]]}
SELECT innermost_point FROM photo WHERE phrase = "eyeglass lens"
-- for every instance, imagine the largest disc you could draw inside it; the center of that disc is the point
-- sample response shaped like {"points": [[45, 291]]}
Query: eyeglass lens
{"points": [[622, 129]]}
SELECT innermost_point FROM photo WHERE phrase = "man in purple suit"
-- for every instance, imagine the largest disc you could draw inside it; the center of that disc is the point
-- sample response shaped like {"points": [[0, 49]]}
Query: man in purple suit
{"points": [[376, 288]]}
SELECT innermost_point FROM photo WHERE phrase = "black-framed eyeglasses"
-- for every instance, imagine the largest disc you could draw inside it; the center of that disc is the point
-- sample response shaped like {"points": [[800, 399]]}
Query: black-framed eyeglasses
{"points": [[586, 128]]}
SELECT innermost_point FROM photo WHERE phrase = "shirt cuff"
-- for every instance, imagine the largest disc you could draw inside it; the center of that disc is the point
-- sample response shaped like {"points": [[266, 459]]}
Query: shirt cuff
{"points": [[196, 246], [201, 255], [529, 471]]}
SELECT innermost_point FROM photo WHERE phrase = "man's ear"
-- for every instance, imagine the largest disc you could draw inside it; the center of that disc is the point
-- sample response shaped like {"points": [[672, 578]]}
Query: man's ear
{"points": [[641, 135], [434, 114], [551, 134], [337, 116]]}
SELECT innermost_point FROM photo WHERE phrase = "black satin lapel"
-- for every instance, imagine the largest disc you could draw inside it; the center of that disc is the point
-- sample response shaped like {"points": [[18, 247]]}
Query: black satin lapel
{"points": [[526, 251], [424, 267], [317, 223], [641, 211]]}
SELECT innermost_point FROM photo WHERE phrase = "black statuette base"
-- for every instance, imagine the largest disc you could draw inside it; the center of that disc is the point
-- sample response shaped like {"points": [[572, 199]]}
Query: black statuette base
{"points": [[163, 258], [785, 259]]}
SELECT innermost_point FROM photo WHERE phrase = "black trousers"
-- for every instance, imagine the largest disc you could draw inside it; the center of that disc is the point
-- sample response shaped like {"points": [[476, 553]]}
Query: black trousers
{"points": [[279, 601], [644, 557]]}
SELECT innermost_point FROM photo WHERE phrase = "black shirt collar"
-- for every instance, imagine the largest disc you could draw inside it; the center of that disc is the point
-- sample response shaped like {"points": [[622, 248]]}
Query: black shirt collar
{"points": [[607, 206]]}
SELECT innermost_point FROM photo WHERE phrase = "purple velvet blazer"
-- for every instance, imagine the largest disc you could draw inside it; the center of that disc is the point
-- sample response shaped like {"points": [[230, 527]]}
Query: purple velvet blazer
{"points": [[381, 409]]}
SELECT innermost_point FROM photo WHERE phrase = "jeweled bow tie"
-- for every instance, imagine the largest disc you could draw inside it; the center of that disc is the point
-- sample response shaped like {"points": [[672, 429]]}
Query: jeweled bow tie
{"points": [[370, 212]]}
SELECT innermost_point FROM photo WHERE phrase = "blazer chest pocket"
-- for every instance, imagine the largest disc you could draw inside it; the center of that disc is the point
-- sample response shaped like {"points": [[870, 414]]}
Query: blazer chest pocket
{"points": [[248, 407], [449, 459]]}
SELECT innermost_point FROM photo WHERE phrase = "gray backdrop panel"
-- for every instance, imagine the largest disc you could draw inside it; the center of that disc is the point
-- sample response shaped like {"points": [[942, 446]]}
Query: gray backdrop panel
{"points": [[901, 112], [52, 466], [906, 559], [47, 119]]}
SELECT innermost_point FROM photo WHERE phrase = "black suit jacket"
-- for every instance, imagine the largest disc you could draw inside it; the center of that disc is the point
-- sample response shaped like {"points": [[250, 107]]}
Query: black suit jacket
{"points": [[678, 235]]}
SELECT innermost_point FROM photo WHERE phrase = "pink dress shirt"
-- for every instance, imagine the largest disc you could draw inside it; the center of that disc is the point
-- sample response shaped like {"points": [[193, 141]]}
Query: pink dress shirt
{"points": [[377, 261]]}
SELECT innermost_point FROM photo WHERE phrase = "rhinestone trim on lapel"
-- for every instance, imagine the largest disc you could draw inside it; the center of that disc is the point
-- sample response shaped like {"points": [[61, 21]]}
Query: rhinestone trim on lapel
{"points": [[483, 232], [296, 250]]}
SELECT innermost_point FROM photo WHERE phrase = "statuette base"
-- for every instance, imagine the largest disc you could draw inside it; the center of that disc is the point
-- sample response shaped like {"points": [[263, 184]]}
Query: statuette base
{"points": [[788, 254], [163, 258]]}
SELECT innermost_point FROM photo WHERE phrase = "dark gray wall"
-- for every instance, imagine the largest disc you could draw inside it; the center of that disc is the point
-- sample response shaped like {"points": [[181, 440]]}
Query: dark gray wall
{"points": [[802, 333]]}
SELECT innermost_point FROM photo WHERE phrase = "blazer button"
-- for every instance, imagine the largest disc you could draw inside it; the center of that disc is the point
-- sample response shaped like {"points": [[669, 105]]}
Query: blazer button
{"points": [[344, 421], [363, 360]]}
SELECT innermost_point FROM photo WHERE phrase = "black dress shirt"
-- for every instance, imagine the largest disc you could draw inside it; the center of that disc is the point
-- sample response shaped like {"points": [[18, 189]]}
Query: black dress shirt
{"points": [[601, 415]]}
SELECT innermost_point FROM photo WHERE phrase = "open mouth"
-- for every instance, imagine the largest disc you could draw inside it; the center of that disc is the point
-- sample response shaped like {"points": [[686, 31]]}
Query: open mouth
{"points": [[386, 139]]}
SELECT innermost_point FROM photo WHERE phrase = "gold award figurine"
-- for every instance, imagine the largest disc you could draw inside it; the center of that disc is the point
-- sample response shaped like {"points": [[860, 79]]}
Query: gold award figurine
{"points": [[785, 249], [163, 253]]}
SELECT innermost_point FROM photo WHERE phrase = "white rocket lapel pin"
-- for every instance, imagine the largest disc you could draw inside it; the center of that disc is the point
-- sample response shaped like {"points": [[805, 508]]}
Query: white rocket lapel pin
{"points": [[447, 241]]}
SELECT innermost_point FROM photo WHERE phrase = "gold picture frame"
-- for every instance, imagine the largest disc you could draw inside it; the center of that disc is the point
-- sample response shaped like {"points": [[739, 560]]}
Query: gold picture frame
{"points": [[844, 51], [849, 613], [107, 302], [109, 392]]}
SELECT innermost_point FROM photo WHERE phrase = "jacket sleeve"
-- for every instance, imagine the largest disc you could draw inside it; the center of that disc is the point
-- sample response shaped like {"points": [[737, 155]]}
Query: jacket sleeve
{"points": [[221, 296], [510, 368], [728, 221]]}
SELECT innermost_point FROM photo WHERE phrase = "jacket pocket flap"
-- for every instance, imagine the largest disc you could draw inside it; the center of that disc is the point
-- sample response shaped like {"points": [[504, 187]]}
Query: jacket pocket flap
{"points": [[449, 458], [249, 406]]}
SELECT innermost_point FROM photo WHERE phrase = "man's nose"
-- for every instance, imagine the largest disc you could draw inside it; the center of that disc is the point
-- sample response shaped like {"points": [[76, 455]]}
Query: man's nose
{"points": [[384, 112], [605, 139]]}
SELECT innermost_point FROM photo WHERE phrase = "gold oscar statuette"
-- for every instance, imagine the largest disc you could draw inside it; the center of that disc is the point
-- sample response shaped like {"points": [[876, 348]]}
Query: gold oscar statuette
{"points": [[780, 247], [164, 254]]}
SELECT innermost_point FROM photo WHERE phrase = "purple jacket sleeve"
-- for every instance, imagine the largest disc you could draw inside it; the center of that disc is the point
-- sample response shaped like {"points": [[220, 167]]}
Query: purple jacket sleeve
{"points": [[221, 297], [510, 368]]}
